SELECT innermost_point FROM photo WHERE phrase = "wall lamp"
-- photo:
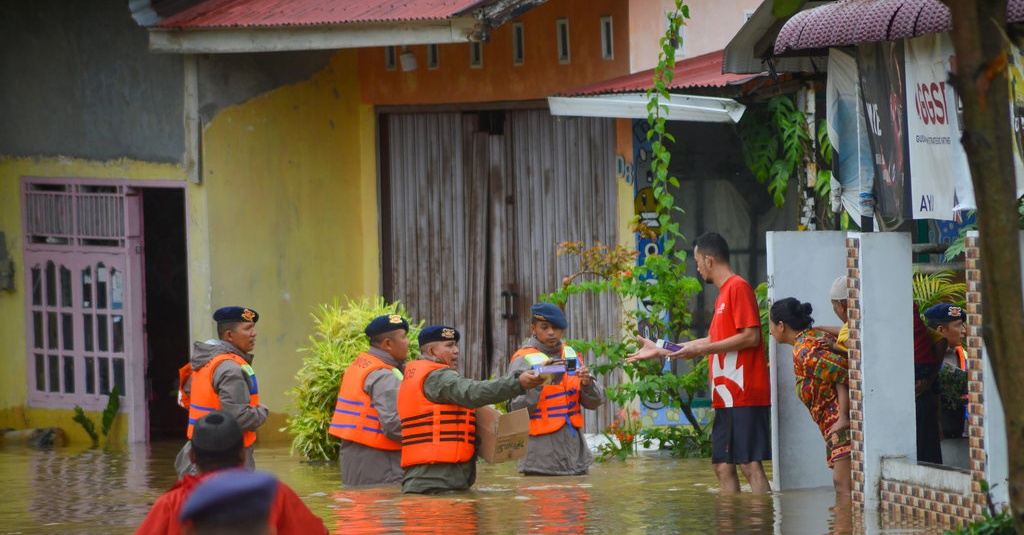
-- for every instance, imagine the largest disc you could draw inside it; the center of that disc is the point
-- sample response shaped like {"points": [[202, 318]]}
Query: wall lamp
{"points": [[408, 60]]}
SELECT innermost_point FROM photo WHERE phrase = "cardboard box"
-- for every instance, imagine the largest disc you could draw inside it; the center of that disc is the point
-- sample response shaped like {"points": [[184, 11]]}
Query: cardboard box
{"points": [[502, 436]]}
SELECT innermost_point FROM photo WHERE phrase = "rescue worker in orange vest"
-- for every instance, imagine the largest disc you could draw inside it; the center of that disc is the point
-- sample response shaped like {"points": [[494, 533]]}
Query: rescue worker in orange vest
{"points": [[366, 412], [948, 321], [222, 379], [437, 407], [557, 446]]}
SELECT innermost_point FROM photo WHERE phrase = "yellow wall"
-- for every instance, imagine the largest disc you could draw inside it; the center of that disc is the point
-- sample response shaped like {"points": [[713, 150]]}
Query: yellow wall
{"points": [[539, 77], [13, 382], [285, 219], [291, 184]]}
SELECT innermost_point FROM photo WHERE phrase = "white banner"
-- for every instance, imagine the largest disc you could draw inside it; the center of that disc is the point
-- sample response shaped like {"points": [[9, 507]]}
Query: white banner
{"points": [[940, 178]]}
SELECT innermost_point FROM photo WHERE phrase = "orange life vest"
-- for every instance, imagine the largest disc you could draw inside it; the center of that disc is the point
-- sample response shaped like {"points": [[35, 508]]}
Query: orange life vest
{"points": [[205, 399], [355, 417], [961, 354], [559, 403], [432, 432]]}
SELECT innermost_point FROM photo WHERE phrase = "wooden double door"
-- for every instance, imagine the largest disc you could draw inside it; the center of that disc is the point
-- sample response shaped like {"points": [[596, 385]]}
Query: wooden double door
{"points": [[473, 207]]}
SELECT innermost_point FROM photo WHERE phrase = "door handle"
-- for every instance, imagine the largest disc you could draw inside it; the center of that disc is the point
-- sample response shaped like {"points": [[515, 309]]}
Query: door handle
{"points": [[508, 298]]}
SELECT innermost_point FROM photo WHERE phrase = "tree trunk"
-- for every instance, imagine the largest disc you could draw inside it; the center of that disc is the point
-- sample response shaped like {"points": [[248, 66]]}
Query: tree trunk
{"points": [[979, 37]]}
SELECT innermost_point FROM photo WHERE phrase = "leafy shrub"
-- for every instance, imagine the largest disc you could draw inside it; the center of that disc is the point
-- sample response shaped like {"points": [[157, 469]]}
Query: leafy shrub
{"points": [[106, 419], [336, 341], [681, 440]]}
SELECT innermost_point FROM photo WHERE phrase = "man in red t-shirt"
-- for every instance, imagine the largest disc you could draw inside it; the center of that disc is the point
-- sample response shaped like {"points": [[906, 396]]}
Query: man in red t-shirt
{"points": [[741, 390], [218, 448]]}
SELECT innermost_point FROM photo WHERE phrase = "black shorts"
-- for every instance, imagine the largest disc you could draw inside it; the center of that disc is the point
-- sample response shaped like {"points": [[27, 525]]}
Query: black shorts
{"points": [[741, 435]]}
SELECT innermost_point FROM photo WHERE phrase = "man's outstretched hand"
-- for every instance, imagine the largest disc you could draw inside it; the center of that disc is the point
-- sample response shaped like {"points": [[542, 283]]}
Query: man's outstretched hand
{"points": [[647, 350]]}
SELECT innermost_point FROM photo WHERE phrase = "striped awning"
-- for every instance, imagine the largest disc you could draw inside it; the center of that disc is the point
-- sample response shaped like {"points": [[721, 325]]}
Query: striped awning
{"points": [[851, 22]]}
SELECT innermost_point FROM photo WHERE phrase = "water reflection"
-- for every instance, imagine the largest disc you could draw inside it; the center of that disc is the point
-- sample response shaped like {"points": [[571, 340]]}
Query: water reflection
{"points": [[89, 491]]}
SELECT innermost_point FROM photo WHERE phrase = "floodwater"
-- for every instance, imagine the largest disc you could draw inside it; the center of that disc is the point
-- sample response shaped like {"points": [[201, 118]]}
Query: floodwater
{"points": [[91, 491]]}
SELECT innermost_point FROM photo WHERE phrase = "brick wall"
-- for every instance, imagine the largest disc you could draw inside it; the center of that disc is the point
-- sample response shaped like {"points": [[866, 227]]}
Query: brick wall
{"points": [[908, 499]]}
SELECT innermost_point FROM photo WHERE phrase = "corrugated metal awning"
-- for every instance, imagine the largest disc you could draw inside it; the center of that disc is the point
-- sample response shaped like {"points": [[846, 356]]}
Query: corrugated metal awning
{"points": [[624, 97], [223, 26], [262, 13], [851, 22], [704, 71], [750, 50]]}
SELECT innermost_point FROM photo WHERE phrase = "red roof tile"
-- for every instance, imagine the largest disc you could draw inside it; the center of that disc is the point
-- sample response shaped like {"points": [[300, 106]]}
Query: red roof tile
{"points": [[851, 22], [700, 71], [257, 13]]}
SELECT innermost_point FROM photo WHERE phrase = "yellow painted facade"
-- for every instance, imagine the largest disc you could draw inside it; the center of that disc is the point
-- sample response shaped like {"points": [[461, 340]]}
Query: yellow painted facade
{"points": [[285, 216], [13, 382], [294, 171]]}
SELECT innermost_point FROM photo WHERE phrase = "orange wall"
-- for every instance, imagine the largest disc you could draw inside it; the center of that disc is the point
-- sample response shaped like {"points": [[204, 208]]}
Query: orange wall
{"points": [[540, 75]]}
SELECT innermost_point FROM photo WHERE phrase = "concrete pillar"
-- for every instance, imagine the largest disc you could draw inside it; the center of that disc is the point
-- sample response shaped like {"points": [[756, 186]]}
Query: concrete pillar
{"points": [[801, 265], [881, 358]]}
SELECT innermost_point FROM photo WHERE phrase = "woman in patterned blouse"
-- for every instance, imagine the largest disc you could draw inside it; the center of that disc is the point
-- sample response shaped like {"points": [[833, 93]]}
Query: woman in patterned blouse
{"points": [[821, 382]]}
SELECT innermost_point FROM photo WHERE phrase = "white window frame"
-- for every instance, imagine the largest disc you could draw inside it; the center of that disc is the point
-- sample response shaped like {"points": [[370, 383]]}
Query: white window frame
{"points": [[390, 58], [518, 44], [607, 38], [476, 55], [433, 62], [562, 39]]}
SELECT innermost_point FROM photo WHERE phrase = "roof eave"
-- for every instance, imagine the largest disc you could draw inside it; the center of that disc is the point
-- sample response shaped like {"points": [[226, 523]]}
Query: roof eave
{"points": [[458, 29]]}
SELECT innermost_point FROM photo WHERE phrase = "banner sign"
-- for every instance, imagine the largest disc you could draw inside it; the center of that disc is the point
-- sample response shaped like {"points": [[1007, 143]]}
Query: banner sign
{"points": [[937, 158], [881, 88]]}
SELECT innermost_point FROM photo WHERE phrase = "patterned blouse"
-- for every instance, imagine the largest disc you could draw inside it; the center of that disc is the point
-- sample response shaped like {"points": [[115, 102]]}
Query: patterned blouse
{"points": [[817, 372]]}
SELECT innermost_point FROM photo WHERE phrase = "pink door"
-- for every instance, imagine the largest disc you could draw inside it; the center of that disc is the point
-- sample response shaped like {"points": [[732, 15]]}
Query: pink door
{"points": [[83, 273]]}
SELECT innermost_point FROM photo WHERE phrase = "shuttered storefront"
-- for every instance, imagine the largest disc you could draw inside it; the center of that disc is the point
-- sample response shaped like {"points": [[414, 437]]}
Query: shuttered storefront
{"points": [[473, 206]]}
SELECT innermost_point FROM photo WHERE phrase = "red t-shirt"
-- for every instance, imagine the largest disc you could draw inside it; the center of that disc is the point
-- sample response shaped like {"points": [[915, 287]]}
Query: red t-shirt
{"points": [[738, 378], [289, 514]]}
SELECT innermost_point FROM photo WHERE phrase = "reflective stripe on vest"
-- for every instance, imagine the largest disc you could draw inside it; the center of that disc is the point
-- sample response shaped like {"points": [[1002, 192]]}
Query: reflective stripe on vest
{"points": [[432, 432], [355, 417], [205, 399], [559, 403]]}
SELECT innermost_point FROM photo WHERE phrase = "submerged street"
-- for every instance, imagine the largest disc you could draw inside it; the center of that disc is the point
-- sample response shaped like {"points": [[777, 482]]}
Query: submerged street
{"points": [[73, 490]]}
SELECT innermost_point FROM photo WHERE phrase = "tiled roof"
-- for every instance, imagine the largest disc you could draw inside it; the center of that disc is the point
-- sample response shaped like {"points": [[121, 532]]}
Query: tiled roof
{"points": [[268, 13], [851, 22], [703, 71]]}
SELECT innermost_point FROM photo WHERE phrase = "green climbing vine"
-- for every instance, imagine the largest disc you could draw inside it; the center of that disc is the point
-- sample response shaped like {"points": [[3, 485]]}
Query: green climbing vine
{"points": [[659, 284], [777, 142]]}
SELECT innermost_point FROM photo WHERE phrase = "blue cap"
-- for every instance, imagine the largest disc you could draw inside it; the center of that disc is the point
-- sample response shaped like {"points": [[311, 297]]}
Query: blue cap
{"points": [[549, 313], [233, 314], [230, 495], [438, 333], [944, 313], [386, 323]]}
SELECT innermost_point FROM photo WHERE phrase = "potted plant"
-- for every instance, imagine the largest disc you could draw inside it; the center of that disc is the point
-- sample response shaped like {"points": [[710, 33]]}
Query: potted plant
{"points": [[952, 400]]}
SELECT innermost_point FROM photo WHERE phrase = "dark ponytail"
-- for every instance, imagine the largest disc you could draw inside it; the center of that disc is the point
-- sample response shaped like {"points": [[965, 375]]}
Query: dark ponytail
{"points": [[793, 313]]}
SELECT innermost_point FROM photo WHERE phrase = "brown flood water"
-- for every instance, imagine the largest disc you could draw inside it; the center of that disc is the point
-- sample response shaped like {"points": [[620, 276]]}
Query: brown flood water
{"points": [[91, 491]]}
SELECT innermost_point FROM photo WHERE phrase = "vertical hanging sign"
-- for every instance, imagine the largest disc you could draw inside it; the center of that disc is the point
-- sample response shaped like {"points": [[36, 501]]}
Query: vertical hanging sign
{"points": [[938, 162]]}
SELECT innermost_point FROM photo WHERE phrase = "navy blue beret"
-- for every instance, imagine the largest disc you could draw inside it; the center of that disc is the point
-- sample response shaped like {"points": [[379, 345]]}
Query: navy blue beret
{"points": [[230, 495], [549, 313], [944, 312], [233, 314], [438, 333], [386, 323], [216, 432]]}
